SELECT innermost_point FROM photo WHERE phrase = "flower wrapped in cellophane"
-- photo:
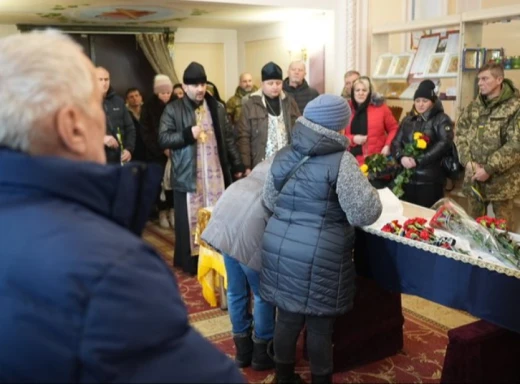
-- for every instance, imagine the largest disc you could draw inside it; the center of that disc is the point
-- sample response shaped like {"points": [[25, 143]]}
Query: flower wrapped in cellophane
{"points": [[452, 218]]}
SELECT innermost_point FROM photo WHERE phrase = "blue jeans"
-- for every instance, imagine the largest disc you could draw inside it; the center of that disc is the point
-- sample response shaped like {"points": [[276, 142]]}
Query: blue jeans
{"points": [[238, 277]]}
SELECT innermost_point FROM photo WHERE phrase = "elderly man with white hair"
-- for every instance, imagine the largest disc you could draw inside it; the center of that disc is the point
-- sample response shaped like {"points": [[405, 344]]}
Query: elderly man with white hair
{"points": [[83, 298]]}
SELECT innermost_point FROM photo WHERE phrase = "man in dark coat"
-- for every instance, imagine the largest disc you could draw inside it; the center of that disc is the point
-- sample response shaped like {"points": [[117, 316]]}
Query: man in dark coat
{"points": [[120, 136], [307, 267], [204, 157], [296, 85], [83, 297]]}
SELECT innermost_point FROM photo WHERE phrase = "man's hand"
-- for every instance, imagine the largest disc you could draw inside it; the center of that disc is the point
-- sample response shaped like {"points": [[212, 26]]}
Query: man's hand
{"points": [[248, 171], [360, 139], [126, 156], [196, 130], [408, 162], [167, 152], [386, 150], [110, 141], [472, 166], [480, 175], [238, 175]]}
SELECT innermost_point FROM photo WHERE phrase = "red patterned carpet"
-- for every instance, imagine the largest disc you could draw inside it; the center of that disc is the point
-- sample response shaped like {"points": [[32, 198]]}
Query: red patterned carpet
{"points": [[420, 361]]}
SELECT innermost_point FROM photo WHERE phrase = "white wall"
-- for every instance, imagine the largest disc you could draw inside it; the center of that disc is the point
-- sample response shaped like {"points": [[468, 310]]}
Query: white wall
{"points": [[278, 31], [8, 29], [228, 37]]}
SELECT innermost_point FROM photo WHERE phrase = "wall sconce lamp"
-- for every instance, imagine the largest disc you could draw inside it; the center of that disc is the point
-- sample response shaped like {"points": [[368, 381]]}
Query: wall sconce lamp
{"points": [[303, 54]]}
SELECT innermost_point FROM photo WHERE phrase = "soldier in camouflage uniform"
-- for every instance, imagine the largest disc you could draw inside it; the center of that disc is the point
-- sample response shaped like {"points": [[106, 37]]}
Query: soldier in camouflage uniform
{"points": [[234, 104], [488, 141]]}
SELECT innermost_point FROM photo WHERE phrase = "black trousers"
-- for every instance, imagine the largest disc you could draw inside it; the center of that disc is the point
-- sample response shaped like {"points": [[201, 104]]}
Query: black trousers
{"points": [[424, 195], [182, 257], [319, 340]]}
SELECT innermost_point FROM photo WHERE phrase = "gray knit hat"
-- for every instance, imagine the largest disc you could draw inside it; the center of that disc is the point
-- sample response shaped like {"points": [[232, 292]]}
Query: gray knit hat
{"points": [[329, 111]]}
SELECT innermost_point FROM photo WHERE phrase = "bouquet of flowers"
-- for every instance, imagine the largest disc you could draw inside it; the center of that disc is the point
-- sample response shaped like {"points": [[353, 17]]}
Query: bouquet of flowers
{"points": [[416, 150], [451, 217], [379, 166], [509, 248], [416, 229]]}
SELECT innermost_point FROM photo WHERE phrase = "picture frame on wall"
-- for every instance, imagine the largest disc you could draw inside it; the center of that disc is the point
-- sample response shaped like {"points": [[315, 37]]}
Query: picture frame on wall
{"points": [[401, 65], [493, 54], [383, 66], [471, 59]]}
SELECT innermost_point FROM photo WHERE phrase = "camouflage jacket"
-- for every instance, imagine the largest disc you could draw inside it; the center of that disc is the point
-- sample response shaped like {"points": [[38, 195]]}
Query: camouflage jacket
{"points": [[488, 133], [234, 104]]}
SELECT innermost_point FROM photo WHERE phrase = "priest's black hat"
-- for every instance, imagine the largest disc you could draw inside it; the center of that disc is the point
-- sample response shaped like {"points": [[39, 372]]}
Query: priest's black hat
{"points": [[194, 74], [271, 71]]}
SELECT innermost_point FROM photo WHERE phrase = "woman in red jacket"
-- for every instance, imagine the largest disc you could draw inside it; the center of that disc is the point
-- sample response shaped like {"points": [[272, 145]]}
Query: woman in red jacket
{"points": [[372, 125]]}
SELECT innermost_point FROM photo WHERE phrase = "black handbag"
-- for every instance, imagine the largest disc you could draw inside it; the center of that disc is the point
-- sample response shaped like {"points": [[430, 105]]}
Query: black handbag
{"points": [[451, 165]]}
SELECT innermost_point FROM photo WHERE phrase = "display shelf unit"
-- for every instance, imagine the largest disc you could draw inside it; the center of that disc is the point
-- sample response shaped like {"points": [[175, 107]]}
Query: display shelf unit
{"points": [[471, 26], [381, 44]]}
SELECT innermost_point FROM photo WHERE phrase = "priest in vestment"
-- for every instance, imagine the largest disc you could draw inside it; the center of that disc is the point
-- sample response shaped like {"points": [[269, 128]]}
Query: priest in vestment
{"points": [[204, 158]]}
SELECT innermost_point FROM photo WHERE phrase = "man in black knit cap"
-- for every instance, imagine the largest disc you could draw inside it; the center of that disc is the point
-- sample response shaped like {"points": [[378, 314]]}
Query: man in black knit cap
{"points": [[204, 158], [267, 119]]}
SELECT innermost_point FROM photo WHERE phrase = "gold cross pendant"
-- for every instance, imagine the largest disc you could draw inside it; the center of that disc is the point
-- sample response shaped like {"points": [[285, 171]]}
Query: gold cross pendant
{"points": [[203, 137]]}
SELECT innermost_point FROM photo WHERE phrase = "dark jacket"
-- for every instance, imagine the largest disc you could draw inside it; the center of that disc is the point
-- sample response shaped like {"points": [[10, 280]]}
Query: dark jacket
{"points": [[77, 284], [118, 117], [175, 133], [150, 120], [439, 128], [302, 94], [307, 265], [253, 125], [139, 153]]}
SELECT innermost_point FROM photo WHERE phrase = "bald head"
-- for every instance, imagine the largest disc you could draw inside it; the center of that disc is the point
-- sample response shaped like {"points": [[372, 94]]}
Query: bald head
{"points": [[246, 82], [297, 73], [104, 79]]}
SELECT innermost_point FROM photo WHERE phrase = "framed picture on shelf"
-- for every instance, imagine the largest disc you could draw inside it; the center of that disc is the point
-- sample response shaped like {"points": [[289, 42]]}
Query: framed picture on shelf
{"points": [[451, 67], [493, 54], [435, 65], [471, 58], [401, 65], [383, 66]]}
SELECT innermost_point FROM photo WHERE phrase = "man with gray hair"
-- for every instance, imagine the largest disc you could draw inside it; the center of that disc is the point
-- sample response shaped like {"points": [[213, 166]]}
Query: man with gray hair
{"points": [[296, 85], [83, 298]]}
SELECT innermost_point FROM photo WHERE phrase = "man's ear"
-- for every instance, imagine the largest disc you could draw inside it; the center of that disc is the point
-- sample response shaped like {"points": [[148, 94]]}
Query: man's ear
{"points": [[71, 130]]}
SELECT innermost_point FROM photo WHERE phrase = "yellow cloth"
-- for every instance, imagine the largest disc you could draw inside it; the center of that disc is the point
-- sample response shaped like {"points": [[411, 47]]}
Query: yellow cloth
{"points": [[211, 268], [211, 263]]}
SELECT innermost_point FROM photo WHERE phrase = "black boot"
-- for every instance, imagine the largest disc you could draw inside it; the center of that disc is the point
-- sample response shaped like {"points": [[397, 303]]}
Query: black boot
{"points": [[285, 374], [322, 379], [261, 359], [244, 348]]}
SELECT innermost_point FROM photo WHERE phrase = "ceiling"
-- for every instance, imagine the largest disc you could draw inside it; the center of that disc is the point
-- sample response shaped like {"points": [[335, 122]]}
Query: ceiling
{"points": [[135, 14]]}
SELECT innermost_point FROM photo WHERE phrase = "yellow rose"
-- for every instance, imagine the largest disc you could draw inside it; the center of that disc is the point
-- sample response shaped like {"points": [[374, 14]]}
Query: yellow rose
{"points": [[417, 135], [421, 144], [364, 168]]}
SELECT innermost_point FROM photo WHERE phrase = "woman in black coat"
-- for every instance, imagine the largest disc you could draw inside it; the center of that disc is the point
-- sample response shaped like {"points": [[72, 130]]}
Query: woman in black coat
{"points": [[426, 185]]}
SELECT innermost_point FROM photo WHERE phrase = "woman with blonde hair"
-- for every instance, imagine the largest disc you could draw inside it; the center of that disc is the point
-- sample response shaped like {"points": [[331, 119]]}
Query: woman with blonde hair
{"points": [[372, 125]]}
